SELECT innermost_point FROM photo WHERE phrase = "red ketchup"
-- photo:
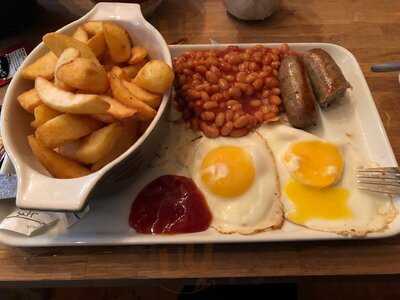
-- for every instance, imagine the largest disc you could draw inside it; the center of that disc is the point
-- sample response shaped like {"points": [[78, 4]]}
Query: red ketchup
{"points": [[170, 204]]}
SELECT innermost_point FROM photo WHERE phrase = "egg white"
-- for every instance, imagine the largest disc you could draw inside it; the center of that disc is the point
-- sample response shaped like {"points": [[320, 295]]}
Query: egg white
{"points": [[371, 212], [259, 208]]}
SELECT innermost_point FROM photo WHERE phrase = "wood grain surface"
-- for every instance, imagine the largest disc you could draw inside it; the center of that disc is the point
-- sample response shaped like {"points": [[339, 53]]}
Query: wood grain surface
{"points": [[370, 29]]}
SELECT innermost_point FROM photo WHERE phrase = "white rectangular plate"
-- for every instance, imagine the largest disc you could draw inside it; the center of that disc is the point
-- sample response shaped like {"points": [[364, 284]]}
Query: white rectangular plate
{"points": [[107, 221]]}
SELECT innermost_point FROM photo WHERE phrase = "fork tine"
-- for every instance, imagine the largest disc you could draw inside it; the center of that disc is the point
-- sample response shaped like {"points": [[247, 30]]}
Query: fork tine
{"points": [[378, 174], [379, 182], [378, 169], [386, 176], [379, 190], [391, 171], [384, 180]]}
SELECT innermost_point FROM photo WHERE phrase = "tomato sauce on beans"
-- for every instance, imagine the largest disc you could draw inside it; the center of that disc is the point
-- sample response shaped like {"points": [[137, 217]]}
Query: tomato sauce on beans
{"points": [[228, 92]]}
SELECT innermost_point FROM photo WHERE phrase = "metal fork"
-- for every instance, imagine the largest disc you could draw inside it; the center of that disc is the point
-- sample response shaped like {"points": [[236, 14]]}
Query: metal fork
{"points": [[385, 180]]}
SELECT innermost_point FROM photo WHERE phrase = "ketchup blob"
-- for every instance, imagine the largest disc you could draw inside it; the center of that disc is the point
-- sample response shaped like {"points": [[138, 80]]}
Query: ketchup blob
{"points": [[170, 204]]}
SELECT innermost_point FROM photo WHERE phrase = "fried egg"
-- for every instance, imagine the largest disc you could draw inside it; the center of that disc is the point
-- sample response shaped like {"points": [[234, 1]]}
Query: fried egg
{"points": [[319, 187], [239, 180], [237, 176]]}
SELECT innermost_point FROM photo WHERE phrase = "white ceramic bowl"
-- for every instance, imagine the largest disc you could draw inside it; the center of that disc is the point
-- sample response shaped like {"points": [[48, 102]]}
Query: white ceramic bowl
{"points": [[36, 188]]}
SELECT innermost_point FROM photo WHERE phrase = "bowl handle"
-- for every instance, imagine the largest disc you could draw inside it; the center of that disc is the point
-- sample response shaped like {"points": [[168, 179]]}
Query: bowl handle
{"points": [[119, 11], [38, 191]]}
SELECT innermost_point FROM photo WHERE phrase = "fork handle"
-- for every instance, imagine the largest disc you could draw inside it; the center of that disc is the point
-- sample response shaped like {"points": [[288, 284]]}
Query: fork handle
{"points": [[386, 67]]}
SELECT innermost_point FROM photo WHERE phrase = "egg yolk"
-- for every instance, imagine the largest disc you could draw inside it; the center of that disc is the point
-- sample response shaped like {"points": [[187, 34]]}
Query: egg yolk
{"points": [[227, 171], [314, 163], [315, 203]]}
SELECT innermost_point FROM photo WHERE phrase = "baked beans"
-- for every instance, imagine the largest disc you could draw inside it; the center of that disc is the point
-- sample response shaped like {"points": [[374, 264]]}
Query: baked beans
{"points": [[231, 91], [220, 119]]}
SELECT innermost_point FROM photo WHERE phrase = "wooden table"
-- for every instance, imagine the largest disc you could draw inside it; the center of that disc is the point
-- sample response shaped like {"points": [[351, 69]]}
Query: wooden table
{"points": [[368, 28]]}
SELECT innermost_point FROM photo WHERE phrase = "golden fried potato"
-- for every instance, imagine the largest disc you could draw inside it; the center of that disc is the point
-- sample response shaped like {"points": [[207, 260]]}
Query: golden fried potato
{"points": [[106, 61], [81, 35], [118, 42], [147, 97], [117, 110], [58, 42], [156, 76], [128, 136], [29, 100], [87, 112], [65, 128], [98, 144], [98, 44], [61, 85], [42, 114], [132, 70], [44, 67], [68, 102], [138, 55], [66, 56], [105, 118], [69, 149], [85, 75], [122, 94], [57, 165], [93, 27], [119, 72]]}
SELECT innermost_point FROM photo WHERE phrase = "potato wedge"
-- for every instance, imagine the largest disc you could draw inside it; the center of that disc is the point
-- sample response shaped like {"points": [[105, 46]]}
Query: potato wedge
{"points": [[118, 110], [156, 76], [69, 149], [61, 85], [98, 44], [84, 74], [58, 42], [57, 165], [138, 55], [42, 114], [99, 143], [131, 71], [106, 61], [43, 67], [105, 118], [93, 27], [109, 92], [118, 42], [122, 94], [68, 102], [81, 35], [128, 137], [149, 98], [65, 128], [66, 56], [29, 100], [119, 72]]}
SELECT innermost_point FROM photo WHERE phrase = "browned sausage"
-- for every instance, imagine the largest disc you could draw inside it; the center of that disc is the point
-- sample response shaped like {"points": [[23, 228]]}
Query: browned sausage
{"points": [[298, 97], [326, 77]]}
